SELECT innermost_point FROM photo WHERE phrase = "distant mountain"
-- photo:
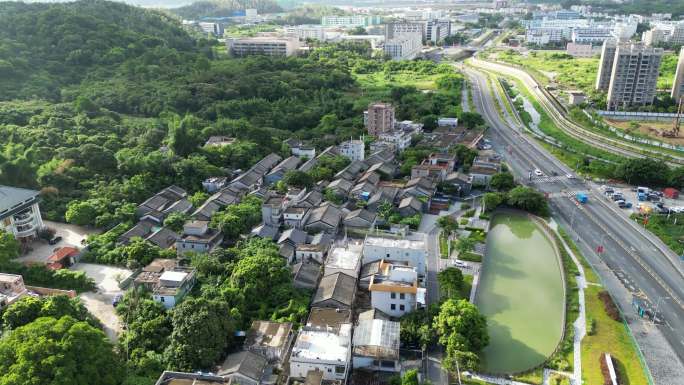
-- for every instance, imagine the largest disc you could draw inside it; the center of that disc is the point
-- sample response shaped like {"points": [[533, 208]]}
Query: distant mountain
{"points": [[44, 47], [222, 8]]}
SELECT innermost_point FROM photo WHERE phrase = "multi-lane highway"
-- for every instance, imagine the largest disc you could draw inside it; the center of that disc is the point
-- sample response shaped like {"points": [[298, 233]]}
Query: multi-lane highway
{"points": [[609, 144], [629, 251]]}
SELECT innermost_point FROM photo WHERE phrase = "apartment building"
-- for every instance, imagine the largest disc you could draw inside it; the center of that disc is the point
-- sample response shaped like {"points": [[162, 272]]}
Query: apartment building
{"points": [[404, 47], [633, 75], [19, 212], [678, 85], [379, 118], [606, 64], [437, 30], [263, 45], [394, 289], [352, 149], [324, 349]]}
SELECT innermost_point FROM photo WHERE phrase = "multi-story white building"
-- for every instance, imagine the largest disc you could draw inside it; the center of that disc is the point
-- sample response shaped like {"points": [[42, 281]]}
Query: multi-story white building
{"points": [[411, 251], [633, 76], [606, 65], [399, 139], [327, 350], [212, 28], [625, 30], [350, 21], [677, 34], [542, 36], [19, 213], [437, 30], [591, 35], [263, 45], [303, 32], [404, 47], [653, 36], [678, 84], [352, 149], [394, 290]]}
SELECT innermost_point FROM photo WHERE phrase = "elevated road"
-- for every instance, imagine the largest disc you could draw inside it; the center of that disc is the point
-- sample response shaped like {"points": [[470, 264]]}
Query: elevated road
{"points": [[630, 251], [558, 116]]}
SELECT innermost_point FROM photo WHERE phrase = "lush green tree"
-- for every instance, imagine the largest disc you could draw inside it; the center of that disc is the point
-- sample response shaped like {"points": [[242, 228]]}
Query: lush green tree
{"points": [[296, 178], [416, 328], [528, 199], [450, 282], [471, 119], [238, 218], [448, 224], [52, 351], [9, 247], [410, 378], [82, 212], [502, 181], [175, 221], [643, 171], [491, 201], [464, 154], [28, 309], [202, 331], [462, 331]]}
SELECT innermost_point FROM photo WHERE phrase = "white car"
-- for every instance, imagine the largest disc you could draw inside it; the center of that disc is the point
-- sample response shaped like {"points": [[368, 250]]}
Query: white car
{"points": [[538, 172], [570, 176]]}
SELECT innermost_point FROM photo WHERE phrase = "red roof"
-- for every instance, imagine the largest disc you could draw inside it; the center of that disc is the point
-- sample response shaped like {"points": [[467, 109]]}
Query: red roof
{"points": [[62, 254]]}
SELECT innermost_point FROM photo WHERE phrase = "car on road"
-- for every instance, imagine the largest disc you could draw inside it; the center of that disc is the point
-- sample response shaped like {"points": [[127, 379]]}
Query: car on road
{"points": [[538, 172], [55, 240], [623, 204], [569, 176], [460, 264]]}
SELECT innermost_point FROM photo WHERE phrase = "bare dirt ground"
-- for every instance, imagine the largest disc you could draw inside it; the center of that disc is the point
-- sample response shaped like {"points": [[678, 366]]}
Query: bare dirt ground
{"points": [[651, 129]]}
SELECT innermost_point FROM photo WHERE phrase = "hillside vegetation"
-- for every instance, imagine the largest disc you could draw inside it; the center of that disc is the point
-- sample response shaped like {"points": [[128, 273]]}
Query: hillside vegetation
{"points": [[223, 8]]}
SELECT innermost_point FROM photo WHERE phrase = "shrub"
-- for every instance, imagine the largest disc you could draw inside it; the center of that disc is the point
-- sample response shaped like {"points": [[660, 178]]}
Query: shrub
{"points": [[463, 221], [469, 213], [465, 206], [591, 329], [609, 306]]}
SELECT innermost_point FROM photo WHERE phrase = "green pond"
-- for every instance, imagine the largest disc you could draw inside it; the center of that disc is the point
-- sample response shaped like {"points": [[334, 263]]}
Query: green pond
{"points": [[521, 293]]}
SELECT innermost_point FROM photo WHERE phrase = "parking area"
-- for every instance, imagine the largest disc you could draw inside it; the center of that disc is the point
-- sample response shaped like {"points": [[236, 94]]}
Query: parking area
{"points": [[71, 236], [99, 303], [641, 199]]}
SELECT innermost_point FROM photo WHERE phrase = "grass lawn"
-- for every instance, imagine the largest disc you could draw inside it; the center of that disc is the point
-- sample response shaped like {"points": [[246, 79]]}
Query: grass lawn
{"points": [[382, 80], [443, 246], [467, 286], [535, 377], [610, 337], [668, 230], [576, 73]]}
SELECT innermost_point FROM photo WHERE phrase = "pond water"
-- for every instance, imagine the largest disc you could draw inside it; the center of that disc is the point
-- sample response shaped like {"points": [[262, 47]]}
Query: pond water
{"points": [[521, 294]]}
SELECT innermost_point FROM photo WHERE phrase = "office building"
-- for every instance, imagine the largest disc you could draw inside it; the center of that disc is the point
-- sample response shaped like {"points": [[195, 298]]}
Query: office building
{"points": [[678, 85], [633, 75], [379, 118], [677, 34], [19, 212], [653, 36], [263, 45], [394, 30], [212, 28]]}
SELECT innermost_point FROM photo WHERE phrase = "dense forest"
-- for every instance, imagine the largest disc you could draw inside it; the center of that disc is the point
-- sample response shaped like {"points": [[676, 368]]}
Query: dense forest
{"points": [[117, 102], [223, 8]]}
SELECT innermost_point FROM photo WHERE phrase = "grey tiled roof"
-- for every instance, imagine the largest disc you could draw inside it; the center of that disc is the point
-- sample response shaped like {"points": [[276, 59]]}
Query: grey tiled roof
{"points": [[339, 287]]}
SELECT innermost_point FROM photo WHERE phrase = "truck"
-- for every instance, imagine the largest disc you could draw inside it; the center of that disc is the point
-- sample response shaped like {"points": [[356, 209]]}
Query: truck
{"points": [[582, 198]]}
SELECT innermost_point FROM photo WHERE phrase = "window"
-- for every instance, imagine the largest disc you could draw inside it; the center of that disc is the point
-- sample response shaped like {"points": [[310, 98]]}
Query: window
{"points": [[402, 307], [161, 299], [402, 296], [388, 255], [393, 295], [393, 307], [329, 370], [339, 369]]}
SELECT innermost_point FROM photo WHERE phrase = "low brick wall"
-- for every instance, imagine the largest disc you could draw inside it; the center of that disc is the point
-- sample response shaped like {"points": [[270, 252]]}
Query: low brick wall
{"points": [[45, 291]]}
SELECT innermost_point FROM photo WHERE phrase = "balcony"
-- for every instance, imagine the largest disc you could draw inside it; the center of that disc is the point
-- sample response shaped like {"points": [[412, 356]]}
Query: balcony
{"points": [[23, 218], [26, 231]]}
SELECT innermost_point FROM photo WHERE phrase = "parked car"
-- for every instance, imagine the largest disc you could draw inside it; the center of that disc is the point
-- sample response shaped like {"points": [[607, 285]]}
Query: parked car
{"points": [[55, 240], [117, 299], [538, 172], [618, 197]]}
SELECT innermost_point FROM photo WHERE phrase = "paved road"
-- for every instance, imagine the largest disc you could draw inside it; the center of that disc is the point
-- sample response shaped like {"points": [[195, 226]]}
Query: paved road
{"points": [[627, 250]]}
